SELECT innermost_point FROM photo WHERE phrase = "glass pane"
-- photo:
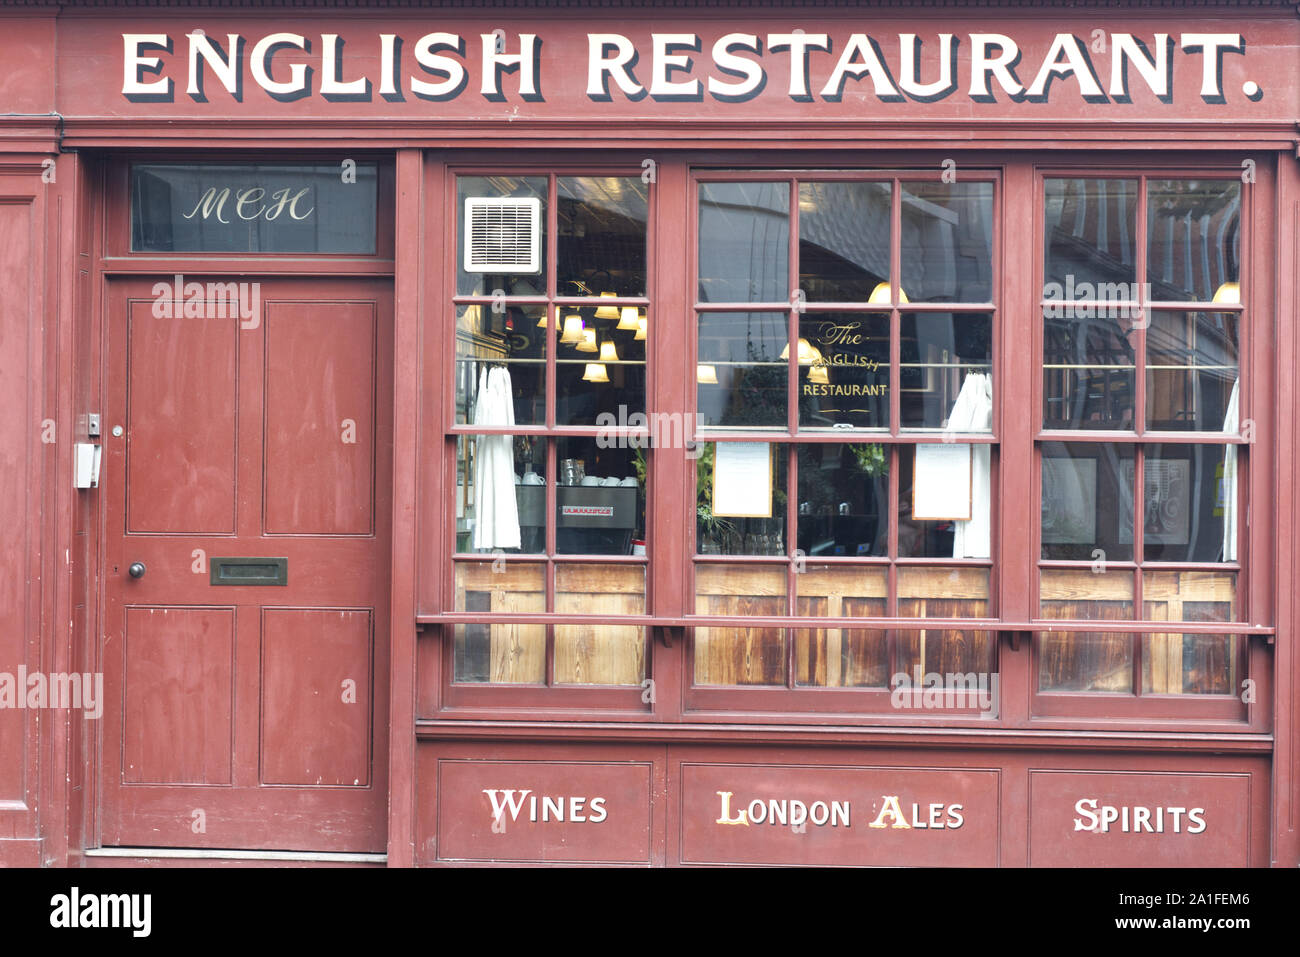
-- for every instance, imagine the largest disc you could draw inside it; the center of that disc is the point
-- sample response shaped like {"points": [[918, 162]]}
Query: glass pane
{"points": [[1083, 661], [744, 249], [946, 379], [500, 494], [1192, 371], [963, 663], [262, 208], [1089, 363], [602, 235], [599, 501], [748, 517], [741, 376], [843, 370], [500, 365], [843, 500], [958, 523], [599, 365], [608, 653], [1091, 230], [1189, 503], [947, 591], [841, 657], [515, 241], [843, 240], [1191, 664], [740, 656], [1189, 596], [1193, 239], [500, 653], [1087, 502], [947, 242], [1081, 593]]}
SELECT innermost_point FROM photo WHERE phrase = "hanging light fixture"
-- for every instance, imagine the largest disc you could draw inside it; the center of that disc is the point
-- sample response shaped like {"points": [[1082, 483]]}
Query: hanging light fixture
{"points": [[627, 318], [541, 322], [808, 353], [607, 351], [706, 375], [595, 372], [1228, 292], [472, 318], [588, 343], [607, 312], [641, 325], [819, 374], [880, 295], [572, 330]]}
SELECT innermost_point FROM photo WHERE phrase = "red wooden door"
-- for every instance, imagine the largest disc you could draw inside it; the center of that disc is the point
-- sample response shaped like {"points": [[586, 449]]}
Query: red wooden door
{"points": [[247, 715]]}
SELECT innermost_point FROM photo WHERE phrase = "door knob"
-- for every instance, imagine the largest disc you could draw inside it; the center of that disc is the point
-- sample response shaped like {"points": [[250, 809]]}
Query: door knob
{"points": [[136, 570]]}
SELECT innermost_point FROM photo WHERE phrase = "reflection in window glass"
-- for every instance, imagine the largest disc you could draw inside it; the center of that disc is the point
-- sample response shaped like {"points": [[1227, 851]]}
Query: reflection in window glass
{"points": [[744, 244], [843, 370], [961, 525], [600, 364], [843, 500], [600, 497], [500, 494], [754, 526], [1091, 236], [1089, 365], [602, 235], [843, 240], [1188, 504], [741, 376], [488, 283], [500, 353], [946, 379], [1192, 371], [1087, 501], [1193, 237], [947, 242]]}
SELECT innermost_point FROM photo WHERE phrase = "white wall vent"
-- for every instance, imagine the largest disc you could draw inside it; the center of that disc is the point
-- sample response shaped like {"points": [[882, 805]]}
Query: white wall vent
{"points": [[503, 235]]}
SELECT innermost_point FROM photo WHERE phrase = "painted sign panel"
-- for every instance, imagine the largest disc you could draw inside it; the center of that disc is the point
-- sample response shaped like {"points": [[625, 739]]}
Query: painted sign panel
{"points": [[1138, 819], [540, 811], [776, 65], [881, 816]]}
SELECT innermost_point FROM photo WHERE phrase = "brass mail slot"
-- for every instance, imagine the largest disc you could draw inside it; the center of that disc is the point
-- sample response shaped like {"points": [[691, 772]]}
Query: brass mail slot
{"points": [[248, 571]]}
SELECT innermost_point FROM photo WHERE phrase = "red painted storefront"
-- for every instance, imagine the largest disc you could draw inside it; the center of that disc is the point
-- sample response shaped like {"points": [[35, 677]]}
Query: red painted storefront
{"points": [[319, 641]]}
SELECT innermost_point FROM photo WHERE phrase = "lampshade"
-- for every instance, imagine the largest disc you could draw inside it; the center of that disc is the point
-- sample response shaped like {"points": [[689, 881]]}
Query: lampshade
{"points": [[588, 343], [607, 351], [595, 372], [641, 324], [472, 319], [541, 321], [819, 374], [572, 330], [880, 295], [706, 375], [607, 312], [627, 318], [808, 353], [1228, 292]]}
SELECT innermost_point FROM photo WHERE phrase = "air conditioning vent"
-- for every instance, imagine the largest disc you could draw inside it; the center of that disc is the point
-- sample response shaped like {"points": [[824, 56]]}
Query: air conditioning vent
{"points": [[503, 235]]}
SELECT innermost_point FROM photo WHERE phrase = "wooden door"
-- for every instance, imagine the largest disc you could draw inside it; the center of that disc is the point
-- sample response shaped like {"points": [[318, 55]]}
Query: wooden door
{"points": [[239, 712]]}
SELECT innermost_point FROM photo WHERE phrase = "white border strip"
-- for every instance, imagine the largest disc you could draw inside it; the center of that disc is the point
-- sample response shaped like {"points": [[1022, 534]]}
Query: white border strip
{"points": [[204, 854]]}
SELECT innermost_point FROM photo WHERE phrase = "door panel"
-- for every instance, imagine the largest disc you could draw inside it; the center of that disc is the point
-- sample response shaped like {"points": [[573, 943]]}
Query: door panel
{"points": [[248, 715]]}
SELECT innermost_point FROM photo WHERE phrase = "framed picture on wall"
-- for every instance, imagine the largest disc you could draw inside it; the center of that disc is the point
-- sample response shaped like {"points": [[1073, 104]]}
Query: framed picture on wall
{"points": [[1166, 501]]}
